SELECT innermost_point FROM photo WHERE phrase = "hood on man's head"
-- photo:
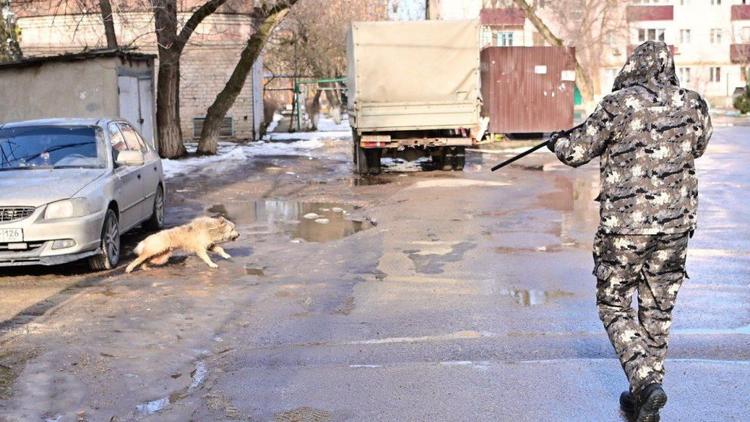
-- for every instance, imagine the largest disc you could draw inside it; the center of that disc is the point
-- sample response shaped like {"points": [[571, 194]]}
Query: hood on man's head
{"points": [[651, 65]]}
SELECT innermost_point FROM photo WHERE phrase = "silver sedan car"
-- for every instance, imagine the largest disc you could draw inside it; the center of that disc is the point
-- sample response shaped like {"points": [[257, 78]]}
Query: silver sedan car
{"points": [[70, 187]]}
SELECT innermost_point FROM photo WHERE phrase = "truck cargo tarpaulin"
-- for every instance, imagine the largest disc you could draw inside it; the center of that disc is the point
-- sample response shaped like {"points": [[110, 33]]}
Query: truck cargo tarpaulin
{"points": [[413, 75]]}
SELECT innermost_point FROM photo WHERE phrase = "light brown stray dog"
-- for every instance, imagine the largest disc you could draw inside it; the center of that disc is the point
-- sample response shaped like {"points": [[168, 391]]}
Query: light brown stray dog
{"points": [[201, 235]]}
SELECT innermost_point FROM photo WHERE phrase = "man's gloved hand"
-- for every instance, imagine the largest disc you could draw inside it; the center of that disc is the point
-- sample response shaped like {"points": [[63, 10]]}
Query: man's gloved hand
{"points": [[553, 140]]}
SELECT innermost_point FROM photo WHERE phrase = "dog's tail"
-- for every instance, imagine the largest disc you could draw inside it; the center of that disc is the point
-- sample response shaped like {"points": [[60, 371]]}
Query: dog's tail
{"points": [[139, 248]]}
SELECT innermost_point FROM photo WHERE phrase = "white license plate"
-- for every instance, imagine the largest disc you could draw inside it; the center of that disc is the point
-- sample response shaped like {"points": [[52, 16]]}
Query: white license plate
{"points": [[11, 235]]}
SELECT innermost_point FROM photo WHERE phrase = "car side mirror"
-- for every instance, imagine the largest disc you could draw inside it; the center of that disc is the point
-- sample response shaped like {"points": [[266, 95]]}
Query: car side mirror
{"points": [[130, 158]]}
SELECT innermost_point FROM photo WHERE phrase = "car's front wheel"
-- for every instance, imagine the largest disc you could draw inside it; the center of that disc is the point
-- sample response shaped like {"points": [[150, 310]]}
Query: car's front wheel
{"points": [[109, 254], [156, 222]]}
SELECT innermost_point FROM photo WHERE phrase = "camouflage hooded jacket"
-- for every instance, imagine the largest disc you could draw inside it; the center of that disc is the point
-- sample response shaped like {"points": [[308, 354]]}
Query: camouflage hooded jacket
{"points": [[648, 132]]}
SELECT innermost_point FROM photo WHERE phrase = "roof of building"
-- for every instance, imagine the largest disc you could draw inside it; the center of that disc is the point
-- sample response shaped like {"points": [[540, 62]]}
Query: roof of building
{"points": [[80, 56], [502, 17]]}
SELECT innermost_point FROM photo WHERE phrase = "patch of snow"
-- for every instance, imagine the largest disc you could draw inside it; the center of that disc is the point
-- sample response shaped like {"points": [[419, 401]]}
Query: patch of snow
{"points": [[401, 165], [322, 220], [227, 157], [154, 406], [198, 375], [327, 128], [230, 156], [275, 122]]}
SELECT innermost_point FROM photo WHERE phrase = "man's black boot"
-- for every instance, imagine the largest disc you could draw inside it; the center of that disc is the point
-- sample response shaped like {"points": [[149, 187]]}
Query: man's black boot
{"points": [[627, 402], [650, 401]]}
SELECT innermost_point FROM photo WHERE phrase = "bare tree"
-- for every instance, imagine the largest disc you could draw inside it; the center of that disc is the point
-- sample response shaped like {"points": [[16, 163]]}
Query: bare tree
{"points": [[312, 40], [109, 24], [588, 25], [171, 43], [9, 47], [265, 19]]}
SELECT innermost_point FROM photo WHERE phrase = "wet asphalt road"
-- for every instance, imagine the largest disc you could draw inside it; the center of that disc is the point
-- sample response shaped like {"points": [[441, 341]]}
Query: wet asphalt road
{"points": [[427, 296]]}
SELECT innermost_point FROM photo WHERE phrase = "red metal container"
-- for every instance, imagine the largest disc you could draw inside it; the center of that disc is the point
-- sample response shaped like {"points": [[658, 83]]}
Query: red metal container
{"points": [[528, 89]]}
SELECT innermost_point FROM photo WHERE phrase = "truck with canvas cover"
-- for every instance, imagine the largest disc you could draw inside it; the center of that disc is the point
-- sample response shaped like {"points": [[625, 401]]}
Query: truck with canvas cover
{"points": [[413, 91]]}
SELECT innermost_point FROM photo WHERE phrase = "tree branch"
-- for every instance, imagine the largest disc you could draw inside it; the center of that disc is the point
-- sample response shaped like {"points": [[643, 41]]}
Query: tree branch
{"points": [[585, 86], [195, 19]]}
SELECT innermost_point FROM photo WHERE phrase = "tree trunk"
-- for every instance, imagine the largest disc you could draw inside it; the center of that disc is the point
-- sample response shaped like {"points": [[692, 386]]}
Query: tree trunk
{"points": [[334, 101], [171, 44], [168, 129], [109, 24], [208, 143], [585, 87]]}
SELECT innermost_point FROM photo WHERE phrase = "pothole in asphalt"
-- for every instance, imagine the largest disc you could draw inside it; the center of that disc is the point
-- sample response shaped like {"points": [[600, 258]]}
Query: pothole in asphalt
{"points": [[308, 221], [532, 297], [254, 270], [431, 261]]}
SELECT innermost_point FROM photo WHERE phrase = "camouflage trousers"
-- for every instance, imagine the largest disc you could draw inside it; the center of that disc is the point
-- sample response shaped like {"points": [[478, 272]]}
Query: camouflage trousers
{"points": [[654, 266]]}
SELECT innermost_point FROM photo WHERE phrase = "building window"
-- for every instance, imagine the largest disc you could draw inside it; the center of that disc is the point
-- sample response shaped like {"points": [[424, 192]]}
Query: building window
{"points": [[715, 74], [715, 2], [716, 36], [504, 39], [684, 2], [650, 34], [685, 36], [486, 37], [685, 75]]}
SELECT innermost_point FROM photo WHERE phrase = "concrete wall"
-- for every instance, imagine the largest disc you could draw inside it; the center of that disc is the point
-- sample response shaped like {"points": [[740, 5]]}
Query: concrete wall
{"points": [[60, 89]]}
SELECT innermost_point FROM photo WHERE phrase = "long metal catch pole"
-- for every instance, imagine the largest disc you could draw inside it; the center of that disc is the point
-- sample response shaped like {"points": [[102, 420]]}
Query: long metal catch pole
{"points": [[519, 156]]}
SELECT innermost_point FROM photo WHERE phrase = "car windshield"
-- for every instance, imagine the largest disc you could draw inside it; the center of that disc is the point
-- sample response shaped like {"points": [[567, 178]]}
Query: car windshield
{"points": [[38, 147]]}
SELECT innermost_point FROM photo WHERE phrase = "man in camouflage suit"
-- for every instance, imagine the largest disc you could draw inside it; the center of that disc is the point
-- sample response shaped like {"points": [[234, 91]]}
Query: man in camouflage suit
{"points": [[647, 133]]}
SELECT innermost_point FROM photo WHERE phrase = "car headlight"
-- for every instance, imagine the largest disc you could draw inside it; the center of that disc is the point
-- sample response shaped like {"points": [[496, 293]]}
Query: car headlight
{"points": [[68, 208]]}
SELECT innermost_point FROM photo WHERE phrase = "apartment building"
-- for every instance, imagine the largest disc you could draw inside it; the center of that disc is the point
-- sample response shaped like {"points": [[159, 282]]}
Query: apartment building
{"points": [[710, 40]]}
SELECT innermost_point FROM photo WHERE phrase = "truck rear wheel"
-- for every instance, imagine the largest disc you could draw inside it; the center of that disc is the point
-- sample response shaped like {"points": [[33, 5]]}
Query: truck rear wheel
{"points": [[360, 160], [459, 158], [358, 154], [373, 160], [451, 158]]}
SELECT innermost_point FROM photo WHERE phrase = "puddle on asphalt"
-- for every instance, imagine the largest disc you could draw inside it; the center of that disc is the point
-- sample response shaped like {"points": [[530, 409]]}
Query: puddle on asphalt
{"points": [[432, 262], [308, 221], [532, 297]]}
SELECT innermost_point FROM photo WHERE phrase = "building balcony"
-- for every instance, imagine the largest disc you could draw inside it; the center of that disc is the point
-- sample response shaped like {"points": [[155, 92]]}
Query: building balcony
{"points": [[672, 49], [739, 53], [502, 17], [741, 12], [650, 13]]}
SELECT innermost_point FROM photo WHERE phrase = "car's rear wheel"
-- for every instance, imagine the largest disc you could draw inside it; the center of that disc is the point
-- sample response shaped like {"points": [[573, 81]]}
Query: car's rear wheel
{"points": [[156, 222], [109, 254]]}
